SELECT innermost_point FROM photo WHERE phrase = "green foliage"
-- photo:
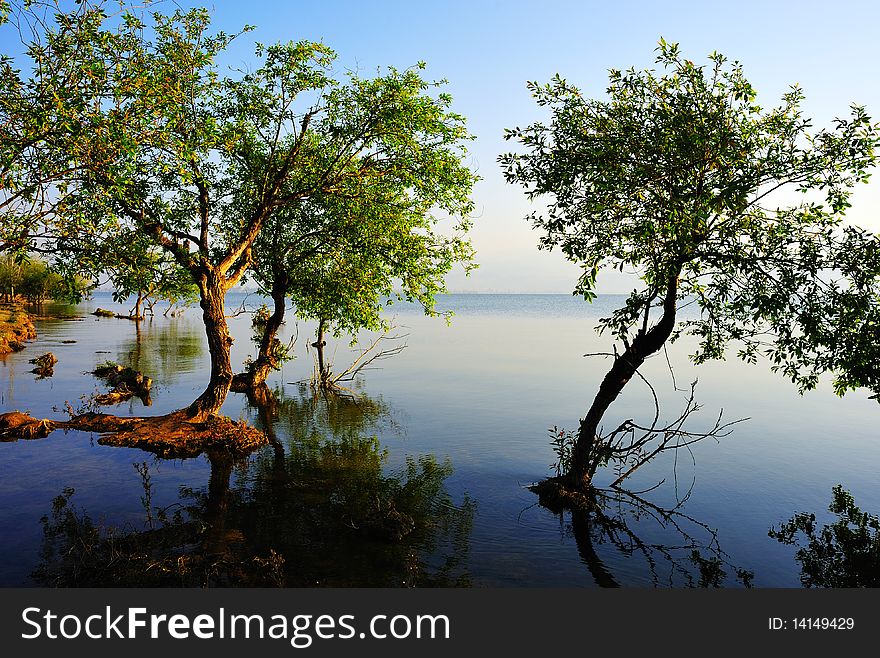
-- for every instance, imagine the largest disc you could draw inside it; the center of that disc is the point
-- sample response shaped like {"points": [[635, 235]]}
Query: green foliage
{"points": [[279, 352], [683, 178], [845, 553], [138, 268], [27, 173], [343, 254], [154, 148], [562, 442]]}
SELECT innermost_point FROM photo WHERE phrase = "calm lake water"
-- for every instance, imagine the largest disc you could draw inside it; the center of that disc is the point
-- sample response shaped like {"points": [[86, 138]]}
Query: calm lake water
{"points": [[422, 480]]}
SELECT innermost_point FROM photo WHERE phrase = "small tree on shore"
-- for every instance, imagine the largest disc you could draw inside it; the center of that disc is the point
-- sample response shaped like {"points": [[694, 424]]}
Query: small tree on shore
{"points": [[32, 279], [684, 179]]}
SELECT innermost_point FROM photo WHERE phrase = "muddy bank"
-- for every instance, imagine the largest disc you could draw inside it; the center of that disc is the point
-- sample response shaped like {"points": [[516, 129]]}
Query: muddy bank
{"points": [[16, 327]]}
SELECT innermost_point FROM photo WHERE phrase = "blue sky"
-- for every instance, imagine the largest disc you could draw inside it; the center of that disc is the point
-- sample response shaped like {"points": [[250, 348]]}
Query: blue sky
{"points": [[488, 50]]}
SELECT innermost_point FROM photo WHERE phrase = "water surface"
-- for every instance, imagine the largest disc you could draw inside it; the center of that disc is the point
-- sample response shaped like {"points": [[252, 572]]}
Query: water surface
{"points": [[423, 481]]}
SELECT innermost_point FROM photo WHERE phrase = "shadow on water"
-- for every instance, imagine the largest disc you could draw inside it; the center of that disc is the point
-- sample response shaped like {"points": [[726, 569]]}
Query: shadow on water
{"points": [[673, 548], [843, 553], [318, 507]]}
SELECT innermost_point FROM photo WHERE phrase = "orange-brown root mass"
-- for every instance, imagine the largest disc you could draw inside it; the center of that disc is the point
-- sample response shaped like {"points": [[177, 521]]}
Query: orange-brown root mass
{"points": [[172, 436]]}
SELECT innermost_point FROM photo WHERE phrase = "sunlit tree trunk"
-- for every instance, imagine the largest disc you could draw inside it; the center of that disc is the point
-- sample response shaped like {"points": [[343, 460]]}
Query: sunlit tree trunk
{"points": [[212, 289], [266, 360], [137, 305]]}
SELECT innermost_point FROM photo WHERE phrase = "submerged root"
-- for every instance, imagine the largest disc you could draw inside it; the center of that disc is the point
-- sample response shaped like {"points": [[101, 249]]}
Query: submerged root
{"points": [[16, 425], [45, 365], [171, 437], [126, 384], [387, 523]]}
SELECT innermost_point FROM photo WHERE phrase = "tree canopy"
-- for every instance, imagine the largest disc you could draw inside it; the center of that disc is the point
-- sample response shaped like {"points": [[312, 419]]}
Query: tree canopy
{"points": [[155, 139], [342, 257], [681, 177]]}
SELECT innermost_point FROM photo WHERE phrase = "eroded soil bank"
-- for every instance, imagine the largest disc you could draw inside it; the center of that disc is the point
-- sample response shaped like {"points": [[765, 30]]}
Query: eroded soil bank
{"points": [[16, 327]]}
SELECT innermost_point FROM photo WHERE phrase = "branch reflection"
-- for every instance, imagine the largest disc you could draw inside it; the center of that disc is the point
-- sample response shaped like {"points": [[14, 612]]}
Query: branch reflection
{"points": [[672, 547], [320, 506]]}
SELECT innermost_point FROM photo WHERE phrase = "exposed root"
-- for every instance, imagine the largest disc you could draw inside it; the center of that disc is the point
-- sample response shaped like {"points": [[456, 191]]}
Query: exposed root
{"points": [[126, 384], [172, 436], [175, 437], [16, 425]]}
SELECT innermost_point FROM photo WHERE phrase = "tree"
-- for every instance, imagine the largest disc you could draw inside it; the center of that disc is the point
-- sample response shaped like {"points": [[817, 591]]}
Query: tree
{"points": [[162, 144], [684, 179], [33, 279], [29, 118], [342, 256]]}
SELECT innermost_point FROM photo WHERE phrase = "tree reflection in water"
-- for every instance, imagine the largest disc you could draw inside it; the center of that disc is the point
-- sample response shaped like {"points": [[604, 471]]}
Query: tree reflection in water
{"points": [[844, 553], [319, 507], [163, 349], [689, 554]]}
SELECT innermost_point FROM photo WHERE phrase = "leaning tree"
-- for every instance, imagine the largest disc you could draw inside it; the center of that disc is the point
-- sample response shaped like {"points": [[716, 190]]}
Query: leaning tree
{"points": [[161, 142], [713, 200]]}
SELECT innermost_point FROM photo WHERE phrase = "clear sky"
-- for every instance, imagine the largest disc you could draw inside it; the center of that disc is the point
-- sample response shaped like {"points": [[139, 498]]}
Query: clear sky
{"points": [[487, 50]]}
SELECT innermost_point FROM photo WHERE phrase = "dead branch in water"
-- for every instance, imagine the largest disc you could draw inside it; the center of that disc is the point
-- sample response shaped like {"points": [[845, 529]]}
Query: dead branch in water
{"points": [[328, 380], [126, 383], [633, 445], [45, 365]]}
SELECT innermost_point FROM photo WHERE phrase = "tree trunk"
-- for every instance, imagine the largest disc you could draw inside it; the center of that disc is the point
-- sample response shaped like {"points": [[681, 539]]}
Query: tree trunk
{"points": [[212, 289], [266, 360], [587, 455], [319, 346]]}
